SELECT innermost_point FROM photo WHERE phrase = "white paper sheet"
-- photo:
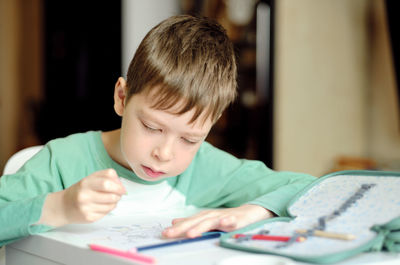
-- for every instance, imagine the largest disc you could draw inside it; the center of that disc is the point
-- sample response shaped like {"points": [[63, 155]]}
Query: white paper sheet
{"points": [[122, 232]]}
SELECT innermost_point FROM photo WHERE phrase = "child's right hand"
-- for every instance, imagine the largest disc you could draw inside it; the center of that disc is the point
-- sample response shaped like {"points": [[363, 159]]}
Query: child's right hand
{"points": [[86, 201]]}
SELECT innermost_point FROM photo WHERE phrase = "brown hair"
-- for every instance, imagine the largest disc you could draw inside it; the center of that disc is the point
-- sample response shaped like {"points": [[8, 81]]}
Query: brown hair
{"points": [[189, 60]]}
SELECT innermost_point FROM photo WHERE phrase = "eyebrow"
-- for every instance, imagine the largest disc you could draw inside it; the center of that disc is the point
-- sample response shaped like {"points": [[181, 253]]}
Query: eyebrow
{"points": [[146, 115]]}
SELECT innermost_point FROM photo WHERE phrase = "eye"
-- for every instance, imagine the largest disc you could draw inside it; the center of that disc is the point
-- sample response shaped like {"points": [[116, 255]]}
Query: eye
{"points": [[187, 141], [150, 128]]}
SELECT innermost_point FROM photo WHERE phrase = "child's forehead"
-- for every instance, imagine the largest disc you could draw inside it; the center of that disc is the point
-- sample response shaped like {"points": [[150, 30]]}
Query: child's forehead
{"points": [[156, 101]]}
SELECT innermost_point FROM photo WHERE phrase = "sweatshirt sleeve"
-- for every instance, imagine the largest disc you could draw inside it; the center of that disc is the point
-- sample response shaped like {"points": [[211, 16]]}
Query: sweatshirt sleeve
{"points": [[22, 196], [219, 179]]}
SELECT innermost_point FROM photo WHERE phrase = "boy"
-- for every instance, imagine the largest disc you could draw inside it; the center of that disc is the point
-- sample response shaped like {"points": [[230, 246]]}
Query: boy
{"points": [[180, 80]]}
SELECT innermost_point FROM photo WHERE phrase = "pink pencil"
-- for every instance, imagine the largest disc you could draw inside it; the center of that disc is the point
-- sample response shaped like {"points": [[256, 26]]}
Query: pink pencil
{"points": [[131, 254]]}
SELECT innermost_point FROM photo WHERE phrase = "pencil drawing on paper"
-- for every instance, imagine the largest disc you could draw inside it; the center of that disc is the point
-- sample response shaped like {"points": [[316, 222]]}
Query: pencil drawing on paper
{"points": [[136, 232], [128, 236]]}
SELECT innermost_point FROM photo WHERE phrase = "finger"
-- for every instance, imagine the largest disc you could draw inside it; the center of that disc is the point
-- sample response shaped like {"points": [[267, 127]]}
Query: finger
{"points": [[104, 208], [105, 184], [112, 174], [228, 223], [90, 218], [204, 226], [105, 197], [98, 208], [198, 217], [181, 225], [109, 174], [87, 198], [91, 213], [178, 220], [177, 230]]}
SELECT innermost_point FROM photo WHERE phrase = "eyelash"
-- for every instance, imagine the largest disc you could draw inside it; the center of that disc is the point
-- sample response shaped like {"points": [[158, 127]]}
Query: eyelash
{"points": [[151, 129], [188, 141]]}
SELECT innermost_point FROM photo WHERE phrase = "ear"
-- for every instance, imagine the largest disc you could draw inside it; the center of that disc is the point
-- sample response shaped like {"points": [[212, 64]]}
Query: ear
{"points": [[120, 93]]}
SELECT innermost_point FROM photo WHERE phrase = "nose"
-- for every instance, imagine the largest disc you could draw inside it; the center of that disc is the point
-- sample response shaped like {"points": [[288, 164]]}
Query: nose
{"points": [[164, 151]]}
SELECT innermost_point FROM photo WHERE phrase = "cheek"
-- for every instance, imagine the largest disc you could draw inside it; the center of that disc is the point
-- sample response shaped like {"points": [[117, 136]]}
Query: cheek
{"points": [[133, 143], [185, 158]]}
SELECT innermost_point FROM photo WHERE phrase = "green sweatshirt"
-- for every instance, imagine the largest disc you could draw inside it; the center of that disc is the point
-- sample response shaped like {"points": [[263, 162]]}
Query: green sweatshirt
{"points": [[213, 179]]}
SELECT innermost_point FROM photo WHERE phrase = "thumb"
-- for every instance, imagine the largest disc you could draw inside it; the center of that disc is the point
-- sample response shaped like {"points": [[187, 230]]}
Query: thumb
{"points": [[112, 174]]}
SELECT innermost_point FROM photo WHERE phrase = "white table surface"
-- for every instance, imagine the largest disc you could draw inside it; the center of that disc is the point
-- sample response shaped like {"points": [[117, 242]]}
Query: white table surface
{"points": [[43, 250], [69, 245]]}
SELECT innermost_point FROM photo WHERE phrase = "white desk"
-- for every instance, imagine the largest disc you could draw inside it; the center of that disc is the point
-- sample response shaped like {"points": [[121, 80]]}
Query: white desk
{"points": [[39, 250], [68, 245]]}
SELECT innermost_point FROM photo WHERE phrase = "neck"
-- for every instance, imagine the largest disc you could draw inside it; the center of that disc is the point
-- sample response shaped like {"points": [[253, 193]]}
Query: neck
{"points": [[112, 144]]}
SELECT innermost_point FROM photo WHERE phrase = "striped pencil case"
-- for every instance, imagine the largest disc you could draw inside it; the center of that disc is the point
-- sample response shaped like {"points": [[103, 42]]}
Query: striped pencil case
{"points": [[336, 217]]}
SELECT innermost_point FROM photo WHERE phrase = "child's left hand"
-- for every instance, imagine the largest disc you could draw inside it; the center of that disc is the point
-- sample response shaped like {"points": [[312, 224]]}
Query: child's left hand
{"points": [[219, 219]]}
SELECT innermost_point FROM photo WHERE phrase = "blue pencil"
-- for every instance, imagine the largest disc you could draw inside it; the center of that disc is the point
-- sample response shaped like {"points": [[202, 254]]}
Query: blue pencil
{"points": [[210, 235]]}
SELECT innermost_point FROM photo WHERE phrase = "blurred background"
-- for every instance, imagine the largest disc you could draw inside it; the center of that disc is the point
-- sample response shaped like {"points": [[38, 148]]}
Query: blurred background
{"points": [[317, 78]]}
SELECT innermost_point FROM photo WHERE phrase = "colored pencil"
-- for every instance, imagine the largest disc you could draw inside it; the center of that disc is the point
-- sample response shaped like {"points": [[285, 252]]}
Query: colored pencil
{"points": [[131, 254], [181, 241], [326, 234], [269, 237]]}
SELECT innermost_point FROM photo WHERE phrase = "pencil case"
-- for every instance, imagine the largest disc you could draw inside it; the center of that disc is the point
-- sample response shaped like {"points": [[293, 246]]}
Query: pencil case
{"points": [[362, 206]]}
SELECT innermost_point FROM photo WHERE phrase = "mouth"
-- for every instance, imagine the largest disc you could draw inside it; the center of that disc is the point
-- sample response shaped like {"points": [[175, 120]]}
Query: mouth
{"points": [[152, 173]]}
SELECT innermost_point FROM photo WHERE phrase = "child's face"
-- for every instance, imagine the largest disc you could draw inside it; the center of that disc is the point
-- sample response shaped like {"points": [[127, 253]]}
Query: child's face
{"points": [[157, 144]]}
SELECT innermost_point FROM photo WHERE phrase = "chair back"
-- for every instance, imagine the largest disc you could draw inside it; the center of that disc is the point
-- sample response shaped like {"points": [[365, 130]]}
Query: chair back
{"points": [[18, 159]]}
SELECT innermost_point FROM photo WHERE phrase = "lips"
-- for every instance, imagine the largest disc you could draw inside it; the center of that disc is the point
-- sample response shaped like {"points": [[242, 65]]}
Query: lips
{"points": [[151, 173]]}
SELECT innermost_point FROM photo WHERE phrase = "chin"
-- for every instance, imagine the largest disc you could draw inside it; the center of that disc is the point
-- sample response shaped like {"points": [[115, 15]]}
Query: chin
{"points": [[151, 179]]}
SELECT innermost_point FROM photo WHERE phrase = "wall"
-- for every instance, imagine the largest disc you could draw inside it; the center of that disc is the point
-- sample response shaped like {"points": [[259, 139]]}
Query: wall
{"points": [[20, 74], [9, 82], [384, 121], [332, 85], [138, 17], [334, 79]]}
